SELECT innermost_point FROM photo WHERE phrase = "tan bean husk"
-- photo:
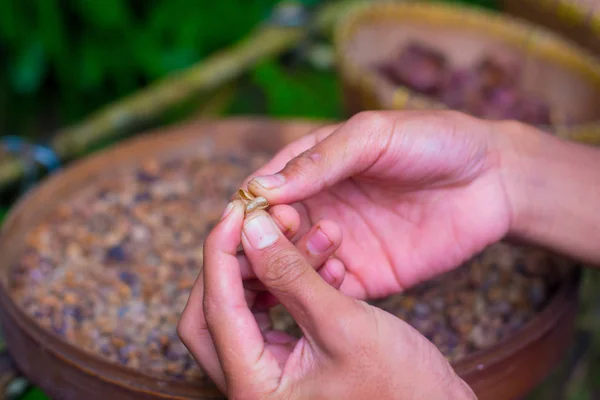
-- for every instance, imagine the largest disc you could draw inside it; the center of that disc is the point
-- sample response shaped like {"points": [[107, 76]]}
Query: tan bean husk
{"points": [[251, 202]]}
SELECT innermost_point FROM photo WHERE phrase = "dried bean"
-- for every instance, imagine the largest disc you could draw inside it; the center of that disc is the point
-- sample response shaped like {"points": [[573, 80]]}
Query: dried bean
{"points": [[111, 270], [490, 89]]}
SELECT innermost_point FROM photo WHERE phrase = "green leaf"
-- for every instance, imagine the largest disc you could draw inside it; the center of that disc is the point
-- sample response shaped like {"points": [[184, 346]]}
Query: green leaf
{"points": [[3, 213], [91, 71], [310, 3], [51, 29], [104, 14], [27, 68], [178, 58], [10, 19], [490, 4], [147, 54], [34, 393], [302, 92]]}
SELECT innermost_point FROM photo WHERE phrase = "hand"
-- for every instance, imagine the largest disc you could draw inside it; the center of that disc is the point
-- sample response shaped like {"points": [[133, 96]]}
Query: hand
{"points": [[415, 193], [349, 349]]}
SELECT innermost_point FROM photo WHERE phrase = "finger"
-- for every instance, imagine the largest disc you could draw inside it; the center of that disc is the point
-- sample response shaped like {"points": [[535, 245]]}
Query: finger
{"points": [[281, 345], [235, 332], [333, 272], [263, 320], [287, 220], [194, 334], [292, 150], [323, 239], [290, 278], [351, 149]]}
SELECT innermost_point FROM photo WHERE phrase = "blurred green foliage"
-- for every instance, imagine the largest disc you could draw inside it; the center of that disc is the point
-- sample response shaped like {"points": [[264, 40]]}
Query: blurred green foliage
{"points": [[72, 56], [62, 59]]}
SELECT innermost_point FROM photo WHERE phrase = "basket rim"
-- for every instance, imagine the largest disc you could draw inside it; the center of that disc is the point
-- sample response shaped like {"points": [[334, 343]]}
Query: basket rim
{"points": [[538, 40]]}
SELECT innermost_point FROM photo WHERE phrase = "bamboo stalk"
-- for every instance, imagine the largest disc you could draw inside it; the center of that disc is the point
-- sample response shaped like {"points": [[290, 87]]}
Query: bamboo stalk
{"points": [[175, 89], [200, 79], [203, 78]]}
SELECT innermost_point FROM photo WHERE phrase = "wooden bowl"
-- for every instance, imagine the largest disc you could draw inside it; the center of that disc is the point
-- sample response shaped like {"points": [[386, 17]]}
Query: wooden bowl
{"points": [[559, 71], [507, 370]]}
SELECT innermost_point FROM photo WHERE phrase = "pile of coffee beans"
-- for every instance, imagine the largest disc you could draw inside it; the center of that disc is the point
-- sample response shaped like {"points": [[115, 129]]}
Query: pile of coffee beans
{"points": [[491, 89], [111, 269], [473, 307]]}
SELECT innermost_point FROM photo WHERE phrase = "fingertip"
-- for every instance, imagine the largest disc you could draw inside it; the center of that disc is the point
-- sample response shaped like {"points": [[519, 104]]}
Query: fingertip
{"points": [[263, 320], [232, 216], [287, 219], [333, 272], [279, 337], [268, 182], [259, 233], [257, 189], [226, 234], [323, 239], [332, 230]]}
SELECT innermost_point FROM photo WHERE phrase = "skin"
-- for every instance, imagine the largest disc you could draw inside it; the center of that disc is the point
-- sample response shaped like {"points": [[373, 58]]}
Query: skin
{"points": [[365, 209]]}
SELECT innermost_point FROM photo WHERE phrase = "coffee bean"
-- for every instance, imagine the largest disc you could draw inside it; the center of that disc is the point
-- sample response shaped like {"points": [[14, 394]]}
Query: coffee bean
{"points": [[116, 254], [111, 270], [491, 88]]}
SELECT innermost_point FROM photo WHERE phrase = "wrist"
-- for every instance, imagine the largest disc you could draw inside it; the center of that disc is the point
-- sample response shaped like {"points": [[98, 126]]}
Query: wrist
{"points": [[551, 188], [515, 147]]}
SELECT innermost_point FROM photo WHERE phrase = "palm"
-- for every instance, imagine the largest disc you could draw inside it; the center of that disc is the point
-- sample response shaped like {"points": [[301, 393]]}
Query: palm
{"points": [[413, 215], [407, 237], [428, 199]]}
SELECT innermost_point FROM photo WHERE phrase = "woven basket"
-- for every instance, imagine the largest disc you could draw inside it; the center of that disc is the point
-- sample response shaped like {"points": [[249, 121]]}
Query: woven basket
{"points": [[556, 69], [578, 20]]}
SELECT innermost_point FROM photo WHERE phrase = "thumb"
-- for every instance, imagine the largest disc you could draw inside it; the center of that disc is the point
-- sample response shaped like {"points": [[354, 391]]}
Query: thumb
{"points": [[350, 150], [281, 268]]}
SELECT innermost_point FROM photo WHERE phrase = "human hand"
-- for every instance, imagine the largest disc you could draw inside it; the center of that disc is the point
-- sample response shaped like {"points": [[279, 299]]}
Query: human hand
{"points": [[414, 193], [349, 349]]}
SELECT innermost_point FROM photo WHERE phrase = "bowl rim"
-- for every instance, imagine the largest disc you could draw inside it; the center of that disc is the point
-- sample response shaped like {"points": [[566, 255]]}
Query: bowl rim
{"points": [[131, 379], [179, 135], [513, 31]]}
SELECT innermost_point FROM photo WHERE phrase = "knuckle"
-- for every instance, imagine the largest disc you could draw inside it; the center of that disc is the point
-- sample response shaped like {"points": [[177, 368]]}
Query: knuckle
{"points": [[450, 114], [190, 328], [210, 242], [374, 120], [303, 163], [374, 128], [348, 328], [282, 268], [508, 125], [184, 328], [211, 309]]}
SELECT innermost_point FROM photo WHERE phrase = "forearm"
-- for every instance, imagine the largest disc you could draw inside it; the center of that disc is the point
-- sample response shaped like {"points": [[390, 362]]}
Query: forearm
{"points": [[553, 188]]}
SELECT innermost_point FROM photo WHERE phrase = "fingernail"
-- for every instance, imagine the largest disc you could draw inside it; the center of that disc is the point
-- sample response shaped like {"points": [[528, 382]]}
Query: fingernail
{"points": [[261, 232], [278, 337], [270, 181], [227, 210], [318, 242]]}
